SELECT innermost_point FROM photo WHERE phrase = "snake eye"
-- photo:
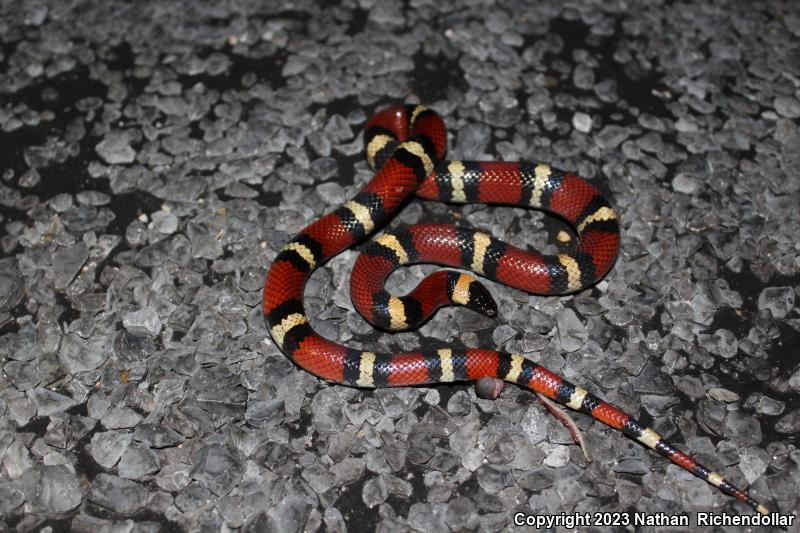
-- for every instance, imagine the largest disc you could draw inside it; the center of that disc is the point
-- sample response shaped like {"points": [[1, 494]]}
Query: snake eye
{"points": [[480, 299]]}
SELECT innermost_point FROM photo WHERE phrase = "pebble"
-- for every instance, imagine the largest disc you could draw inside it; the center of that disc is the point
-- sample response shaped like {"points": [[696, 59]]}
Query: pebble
{"points": [[493, 479], [120, 417], [571, 331], [723, 395], [145, 321], [10, 498], [78, 355], [582, 122], [778, 300], [686, 185], [503, 333], [174, 477], [789, 423], [164, 222], [138, 462], [120, 495], [421, 516], [611, 137], [742, 428], [30, 178], [794, 380], [557, 457], [320, 479], [217, 468], [51, 489], [67, 262], [753, 463], [115, 149], [107, 447], [787, 106], [768, 406], [374, 492], [331, 192], [49, 402]]}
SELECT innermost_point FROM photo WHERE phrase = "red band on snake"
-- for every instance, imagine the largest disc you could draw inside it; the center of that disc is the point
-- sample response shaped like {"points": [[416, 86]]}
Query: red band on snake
{"points": [[406, 146]]}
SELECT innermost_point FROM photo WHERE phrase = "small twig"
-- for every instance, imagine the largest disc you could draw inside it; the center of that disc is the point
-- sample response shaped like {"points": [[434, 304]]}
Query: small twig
{"points": [[568, 422], [490, 389]]}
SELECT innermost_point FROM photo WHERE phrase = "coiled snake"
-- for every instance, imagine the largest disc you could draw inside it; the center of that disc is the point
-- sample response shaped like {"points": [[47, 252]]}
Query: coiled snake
{"points": [[405, 146]]}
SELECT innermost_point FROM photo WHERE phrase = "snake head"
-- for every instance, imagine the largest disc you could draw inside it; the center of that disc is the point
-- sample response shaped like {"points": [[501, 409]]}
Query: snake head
{"points": [[481, 300], [465, 290]]}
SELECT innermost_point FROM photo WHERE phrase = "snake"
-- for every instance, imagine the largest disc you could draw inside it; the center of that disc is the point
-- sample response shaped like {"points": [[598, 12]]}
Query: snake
{"points": [[405, 146]]}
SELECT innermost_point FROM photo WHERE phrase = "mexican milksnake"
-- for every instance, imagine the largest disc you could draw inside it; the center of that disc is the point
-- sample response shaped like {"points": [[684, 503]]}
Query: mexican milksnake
{"points": [[405, 145]]}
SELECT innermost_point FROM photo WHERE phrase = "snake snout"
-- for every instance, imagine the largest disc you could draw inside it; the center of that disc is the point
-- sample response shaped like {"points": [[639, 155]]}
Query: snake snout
{"points": [[481, 300]]}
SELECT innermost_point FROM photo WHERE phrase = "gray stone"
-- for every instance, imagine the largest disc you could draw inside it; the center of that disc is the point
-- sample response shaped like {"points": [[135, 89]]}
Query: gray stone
{"points": [[30, 178], [768, 406], [320, 479], [157, 436], [789, 423], [493, 479], [120, 417], [582, 122], [10, 498], [742, 428], [794, 380], [778, 300], [787, 106], [138, 462], [78, 355], [108, 446], [217, 468], [631, 466], [753, 463], [51, 490], [164, 222], [571, 331], [11, 285], [120, 495], [145, 321], [291, 514], [265, 413], [503, 333], [49, 402], [557, 457], [374, 492], [459, 403], [611, 136], [83, 523], [67, 262], [334, 521], [331, 192], [653, 381], [686, 184], [115, 148], [422, 517], [174, 477], [723, 395], [16, 459]]}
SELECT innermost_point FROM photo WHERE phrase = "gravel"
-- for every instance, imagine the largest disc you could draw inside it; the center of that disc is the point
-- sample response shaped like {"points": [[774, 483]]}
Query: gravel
{"points": [[152, 170]]}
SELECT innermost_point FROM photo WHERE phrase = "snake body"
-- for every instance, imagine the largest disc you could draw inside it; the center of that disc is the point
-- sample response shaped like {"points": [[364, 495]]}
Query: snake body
{"points": [[406, 146]]}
